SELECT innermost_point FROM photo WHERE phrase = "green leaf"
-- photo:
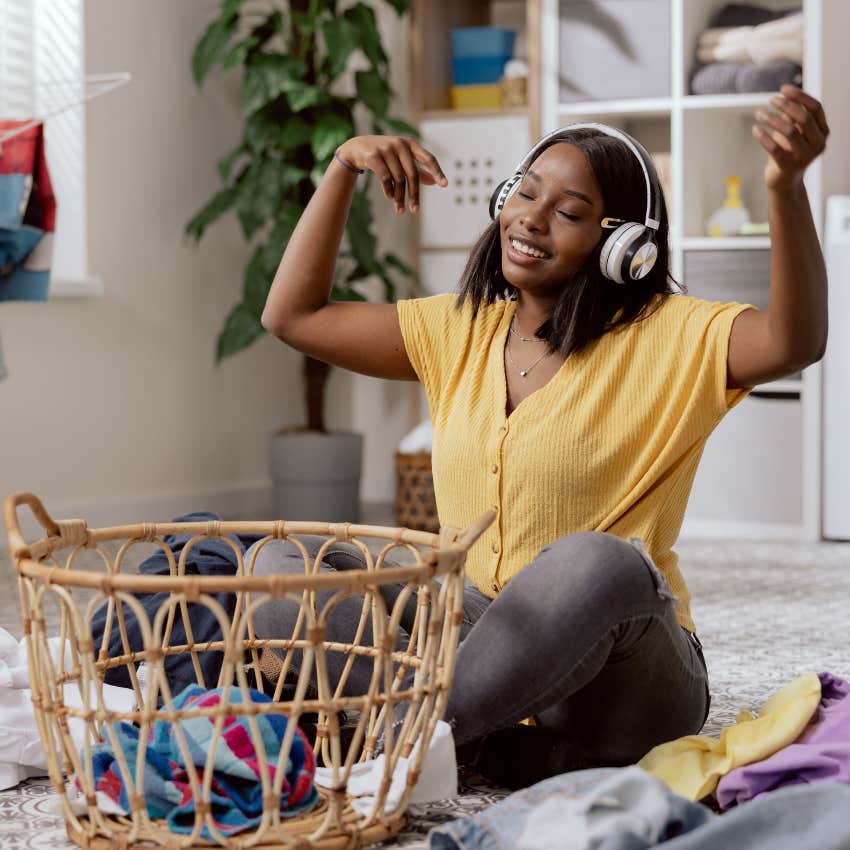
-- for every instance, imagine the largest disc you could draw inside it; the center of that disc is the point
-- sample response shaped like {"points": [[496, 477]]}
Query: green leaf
{"points": [[241, 328], [330, 132], [340, 42], [285, 222], [401, 6], [301, 95], [225, 165], [359, 229], [304, 22], [267, 77], [401, 128], [258, 279], [346, 293], [213, 42], [220, 204], [395, 262], [238, 54], [296, 132], [362, 19], [259, 195], [373, 90], [261, 129]]}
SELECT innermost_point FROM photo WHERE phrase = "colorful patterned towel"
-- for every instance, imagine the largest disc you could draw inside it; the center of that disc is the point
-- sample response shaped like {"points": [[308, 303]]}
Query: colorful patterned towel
{"points": [[236, 792]]}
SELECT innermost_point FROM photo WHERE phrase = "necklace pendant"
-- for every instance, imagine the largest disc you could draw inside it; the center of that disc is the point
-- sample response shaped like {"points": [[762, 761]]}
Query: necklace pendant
{"points": [[523, 372]]}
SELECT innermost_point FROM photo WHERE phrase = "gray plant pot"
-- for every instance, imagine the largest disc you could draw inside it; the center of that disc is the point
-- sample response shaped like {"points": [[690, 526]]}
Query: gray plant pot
{"points": [[317, 476]]}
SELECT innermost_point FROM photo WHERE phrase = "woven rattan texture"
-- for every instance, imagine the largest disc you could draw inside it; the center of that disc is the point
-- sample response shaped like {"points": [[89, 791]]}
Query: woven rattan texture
{"points": [[70, 574]]}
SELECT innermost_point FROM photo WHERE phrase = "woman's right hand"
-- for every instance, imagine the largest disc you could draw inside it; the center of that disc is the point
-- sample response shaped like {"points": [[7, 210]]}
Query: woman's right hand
{"points": [[399, 162]]}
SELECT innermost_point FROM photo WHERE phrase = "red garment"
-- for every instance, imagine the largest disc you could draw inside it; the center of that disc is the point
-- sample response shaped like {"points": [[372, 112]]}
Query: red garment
{"points": [[24, 154]]}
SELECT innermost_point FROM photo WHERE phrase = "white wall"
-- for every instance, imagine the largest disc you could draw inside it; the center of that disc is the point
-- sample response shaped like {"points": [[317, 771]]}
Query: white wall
{"points": [[113, 408]]}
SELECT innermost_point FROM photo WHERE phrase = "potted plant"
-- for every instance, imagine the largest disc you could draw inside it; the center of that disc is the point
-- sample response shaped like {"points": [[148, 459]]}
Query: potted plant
{"points": [[299, 101]]}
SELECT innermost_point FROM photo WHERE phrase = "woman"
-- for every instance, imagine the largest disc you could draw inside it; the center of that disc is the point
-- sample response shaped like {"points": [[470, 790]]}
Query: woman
{"points": [[576, 405]]}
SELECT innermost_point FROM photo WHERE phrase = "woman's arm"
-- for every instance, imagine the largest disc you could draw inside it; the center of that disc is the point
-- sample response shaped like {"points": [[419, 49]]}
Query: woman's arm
{"points": [[355, 335], [791, 333]]}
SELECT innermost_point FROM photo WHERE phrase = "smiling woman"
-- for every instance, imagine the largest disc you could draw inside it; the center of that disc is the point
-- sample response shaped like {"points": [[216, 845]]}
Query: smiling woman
{"points": [[571, 393]]}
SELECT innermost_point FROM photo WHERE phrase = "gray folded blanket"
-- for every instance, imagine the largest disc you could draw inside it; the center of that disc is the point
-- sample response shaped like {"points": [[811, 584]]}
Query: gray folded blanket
{"points": [[729, 77]]}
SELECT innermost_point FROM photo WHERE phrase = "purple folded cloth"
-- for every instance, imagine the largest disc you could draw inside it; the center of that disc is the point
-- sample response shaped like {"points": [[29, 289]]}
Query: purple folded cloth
{"points": [[820, 754]]}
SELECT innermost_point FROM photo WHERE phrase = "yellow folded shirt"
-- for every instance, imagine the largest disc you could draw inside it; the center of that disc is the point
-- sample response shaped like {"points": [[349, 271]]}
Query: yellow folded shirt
{"points": [[692, 766]]}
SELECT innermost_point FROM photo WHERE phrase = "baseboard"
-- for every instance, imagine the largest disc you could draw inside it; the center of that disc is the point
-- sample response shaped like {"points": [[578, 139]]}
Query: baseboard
{"points": [[718, 529]]}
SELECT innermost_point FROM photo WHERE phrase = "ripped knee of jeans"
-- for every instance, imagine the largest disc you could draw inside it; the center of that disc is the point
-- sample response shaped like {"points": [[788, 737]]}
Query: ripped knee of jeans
{"points": [[662, 588]]}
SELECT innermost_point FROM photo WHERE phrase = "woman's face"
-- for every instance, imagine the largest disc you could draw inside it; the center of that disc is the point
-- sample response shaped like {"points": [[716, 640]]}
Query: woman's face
{"points": [[552, 221]]}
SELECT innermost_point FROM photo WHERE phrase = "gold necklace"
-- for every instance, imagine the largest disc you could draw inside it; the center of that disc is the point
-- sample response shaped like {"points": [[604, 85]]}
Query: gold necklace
{"points": [[524, 372]]}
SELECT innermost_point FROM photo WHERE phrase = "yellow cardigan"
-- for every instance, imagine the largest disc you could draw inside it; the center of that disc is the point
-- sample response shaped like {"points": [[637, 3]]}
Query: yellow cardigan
{"points": [[611, 443]]}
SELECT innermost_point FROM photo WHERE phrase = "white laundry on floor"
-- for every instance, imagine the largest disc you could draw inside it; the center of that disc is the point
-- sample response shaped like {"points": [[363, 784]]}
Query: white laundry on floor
{"points": [[437, 777], [21, 752]]}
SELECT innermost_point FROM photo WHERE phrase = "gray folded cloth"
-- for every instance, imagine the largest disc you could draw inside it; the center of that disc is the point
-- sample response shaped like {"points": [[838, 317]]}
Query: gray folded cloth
{"points": [[768, 76], [730, 78]]}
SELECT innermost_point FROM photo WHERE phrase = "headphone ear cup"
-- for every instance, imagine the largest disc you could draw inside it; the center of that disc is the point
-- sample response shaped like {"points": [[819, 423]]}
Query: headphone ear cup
{"points": [[502, 194], [629, 253], [494, 200]]}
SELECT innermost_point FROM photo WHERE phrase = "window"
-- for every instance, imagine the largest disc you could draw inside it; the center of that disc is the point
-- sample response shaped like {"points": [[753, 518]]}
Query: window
{"points": [[41, 73]]}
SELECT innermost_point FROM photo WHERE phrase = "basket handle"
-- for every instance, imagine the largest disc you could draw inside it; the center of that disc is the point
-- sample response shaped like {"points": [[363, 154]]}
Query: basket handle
{"points": [[18, 547]]}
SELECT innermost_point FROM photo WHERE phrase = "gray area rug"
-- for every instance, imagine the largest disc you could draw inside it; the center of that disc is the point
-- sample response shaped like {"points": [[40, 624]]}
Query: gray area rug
{"points": [[766, 613]]}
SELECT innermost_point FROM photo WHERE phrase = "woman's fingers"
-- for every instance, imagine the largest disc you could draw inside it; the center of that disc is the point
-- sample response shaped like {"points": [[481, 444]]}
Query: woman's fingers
{"points": [[425, 157], [411, 175], [400, 163], [785, 131], [812, 105], [399, 179], [375, 163], [803, 120]]}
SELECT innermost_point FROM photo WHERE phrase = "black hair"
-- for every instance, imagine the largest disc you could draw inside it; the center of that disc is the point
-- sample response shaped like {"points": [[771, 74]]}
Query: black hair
{"points": [[590, 305]]}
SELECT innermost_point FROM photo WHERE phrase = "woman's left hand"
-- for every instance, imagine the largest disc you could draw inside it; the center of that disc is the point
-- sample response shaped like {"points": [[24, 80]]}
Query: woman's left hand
{"points": [[793, 135]]}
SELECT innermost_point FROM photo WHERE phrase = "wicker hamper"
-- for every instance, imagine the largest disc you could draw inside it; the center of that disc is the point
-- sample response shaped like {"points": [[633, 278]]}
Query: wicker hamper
{"points": [[58, 582], [415, 504]]}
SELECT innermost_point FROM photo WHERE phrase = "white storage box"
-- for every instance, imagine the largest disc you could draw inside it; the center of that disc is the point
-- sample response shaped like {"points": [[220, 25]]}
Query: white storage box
{"points": [[476, 154]]}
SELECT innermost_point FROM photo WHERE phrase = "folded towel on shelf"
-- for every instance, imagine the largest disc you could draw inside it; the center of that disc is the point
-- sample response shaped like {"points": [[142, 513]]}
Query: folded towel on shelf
{"points": [[730, 78], [778, 39]]}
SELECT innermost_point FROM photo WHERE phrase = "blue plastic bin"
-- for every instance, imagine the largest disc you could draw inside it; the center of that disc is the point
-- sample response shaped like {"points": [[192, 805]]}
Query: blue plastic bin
{"points": [[482, 41], [478, 70]]}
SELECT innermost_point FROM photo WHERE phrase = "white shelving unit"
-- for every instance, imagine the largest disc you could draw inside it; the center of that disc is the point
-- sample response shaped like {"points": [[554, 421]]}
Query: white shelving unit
{"points": [[760, 476]]}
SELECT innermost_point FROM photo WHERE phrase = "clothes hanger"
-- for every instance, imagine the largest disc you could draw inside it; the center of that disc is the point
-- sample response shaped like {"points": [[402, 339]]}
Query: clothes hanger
{"points": [[56, 97]]}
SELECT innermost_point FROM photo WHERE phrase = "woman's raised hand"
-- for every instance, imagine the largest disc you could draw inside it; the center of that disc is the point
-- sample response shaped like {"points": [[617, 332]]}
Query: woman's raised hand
{"points": [[400, 163], [794, 134]]}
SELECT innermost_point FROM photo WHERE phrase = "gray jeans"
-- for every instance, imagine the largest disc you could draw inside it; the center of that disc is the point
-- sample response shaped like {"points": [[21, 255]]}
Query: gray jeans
{"points": [[585, 638]]}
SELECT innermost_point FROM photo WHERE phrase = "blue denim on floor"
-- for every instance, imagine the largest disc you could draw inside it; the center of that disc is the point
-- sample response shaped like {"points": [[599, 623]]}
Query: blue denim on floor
{"points": [[602, 808], [618, 809], [804, 817], [585, 637]]}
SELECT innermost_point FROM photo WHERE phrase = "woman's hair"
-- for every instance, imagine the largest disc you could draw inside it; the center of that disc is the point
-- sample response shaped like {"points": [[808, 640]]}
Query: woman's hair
{"points": [[590, 304]]}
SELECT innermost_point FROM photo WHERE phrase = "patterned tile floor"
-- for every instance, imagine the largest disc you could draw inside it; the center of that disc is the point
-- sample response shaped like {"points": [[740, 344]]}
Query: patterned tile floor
{"points": [[767, 612]]}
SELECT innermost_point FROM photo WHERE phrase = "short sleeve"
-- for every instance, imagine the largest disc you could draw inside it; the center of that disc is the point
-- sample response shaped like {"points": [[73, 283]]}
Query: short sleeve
{"points": [[430, 328], [709, 329]]}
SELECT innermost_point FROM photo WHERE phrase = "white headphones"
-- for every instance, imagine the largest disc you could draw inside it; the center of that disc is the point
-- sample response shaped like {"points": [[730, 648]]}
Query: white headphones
{"points": [[630, 252]]}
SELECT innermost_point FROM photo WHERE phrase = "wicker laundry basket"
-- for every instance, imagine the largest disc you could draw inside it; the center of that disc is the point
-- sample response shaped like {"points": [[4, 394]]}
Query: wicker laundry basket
{"points": [[59, 583]]}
